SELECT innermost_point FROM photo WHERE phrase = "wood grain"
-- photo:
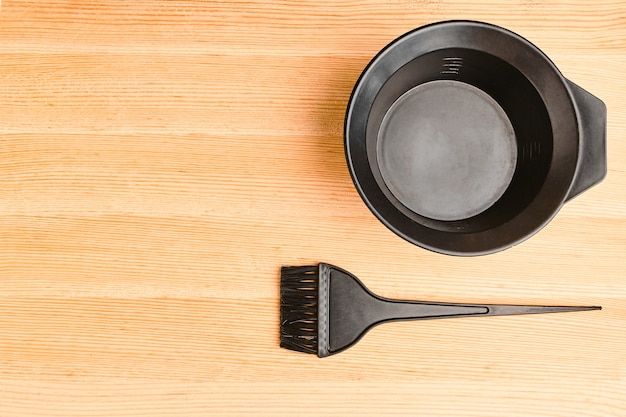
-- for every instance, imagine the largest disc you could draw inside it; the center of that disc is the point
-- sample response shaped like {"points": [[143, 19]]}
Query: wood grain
{"points": [[162, 159]]}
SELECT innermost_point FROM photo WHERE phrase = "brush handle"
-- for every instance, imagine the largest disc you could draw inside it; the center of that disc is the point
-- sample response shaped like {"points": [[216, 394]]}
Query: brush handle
{"points": [[391, 310], [352, 309], [347, 310], [388, 310]]}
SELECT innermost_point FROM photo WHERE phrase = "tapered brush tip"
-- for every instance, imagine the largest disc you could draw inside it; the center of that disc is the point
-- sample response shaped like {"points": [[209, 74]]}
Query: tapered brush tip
{"points": [[507, 310], [566, 309]]}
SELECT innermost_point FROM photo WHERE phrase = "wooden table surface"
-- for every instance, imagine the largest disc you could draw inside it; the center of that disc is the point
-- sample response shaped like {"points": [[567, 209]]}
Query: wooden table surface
{"points": [[160, 160]]}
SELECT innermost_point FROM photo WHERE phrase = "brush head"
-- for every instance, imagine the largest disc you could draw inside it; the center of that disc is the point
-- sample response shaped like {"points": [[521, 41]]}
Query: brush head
{"points": [[306, 324], [299, 301]]}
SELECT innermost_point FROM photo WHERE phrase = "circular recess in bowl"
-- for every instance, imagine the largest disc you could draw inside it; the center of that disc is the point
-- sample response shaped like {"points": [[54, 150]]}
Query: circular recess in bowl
{"points": [[446, 150]]}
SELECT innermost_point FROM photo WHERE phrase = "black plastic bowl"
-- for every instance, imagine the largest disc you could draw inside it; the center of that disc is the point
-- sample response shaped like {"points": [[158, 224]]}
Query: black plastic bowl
{"points": [[464, 138]]}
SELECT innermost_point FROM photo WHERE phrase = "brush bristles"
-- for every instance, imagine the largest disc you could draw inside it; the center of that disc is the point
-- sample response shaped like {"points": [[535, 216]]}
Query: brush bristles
{"points": [[299, 308]]}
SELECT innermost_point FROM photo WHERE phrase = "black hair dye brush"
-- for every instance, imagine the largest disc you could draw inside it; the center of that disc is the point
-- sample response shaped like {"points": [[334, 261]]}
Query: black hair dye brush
{"points": [[325, 309]]}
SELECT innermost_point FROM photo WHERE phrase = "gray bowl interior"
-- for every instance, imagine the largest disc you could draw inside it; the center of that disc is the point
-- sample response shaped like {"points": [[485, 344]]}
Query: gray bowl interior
{"points": [[459, 140]]}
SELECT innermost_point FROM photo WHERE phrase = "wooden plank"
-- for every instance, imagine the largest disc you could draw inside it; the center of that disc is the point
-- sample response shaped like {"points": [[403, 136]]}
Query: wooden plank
{"points": [[162, 159]]}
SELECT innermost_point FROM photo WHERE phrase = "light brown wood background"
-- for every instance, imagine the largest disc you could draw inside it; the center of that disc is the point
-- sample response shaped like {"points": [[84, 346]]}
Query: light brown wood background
{"points": [[160, 160]]}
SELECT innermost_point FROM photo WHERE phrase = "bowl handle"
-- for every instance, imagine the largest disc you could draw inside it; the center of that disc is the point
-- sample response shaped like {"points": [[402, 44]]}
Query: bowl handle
{"points": [[592, 164]]}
